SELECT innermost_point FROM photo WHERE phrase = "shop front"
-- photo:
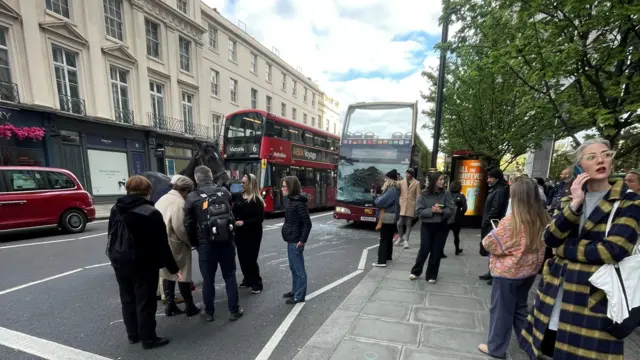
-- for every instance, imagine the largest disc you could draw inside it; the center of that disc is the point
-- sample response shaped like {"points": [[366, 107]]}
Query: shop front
{"points": [[172, 154], [22, 152]]}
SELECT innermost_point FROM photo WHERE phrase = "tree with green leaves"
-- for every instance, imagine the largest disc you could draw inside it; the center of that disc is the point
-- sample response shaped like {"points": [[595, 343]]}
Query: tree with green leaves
{"points": [[424, 157], [581, 56]]}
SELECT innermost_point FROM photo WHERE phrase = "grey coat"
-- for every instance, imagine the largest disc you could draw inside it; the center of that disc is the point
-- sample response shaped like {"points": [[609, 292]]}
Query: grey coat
{"points": [[426, 201]]}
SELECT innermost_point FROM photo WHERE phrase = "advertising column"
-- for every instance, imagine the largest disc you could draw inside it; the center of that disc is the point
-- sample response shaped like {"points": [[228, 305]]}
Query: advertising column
{"points": [[108, 165], [471, 176]]}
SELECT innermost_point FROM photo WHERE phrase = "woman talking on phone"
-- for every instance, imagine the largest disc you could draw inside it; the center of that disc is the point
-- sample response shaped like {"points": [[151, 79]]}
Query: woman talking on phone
{"points": [[569, 319]]}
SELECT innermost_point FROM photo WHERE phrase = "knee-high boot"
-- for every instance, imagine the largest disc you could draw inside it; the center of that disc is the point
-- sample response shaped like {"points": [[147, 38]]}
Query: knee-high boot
{"points": [[187, 295], [170, 308]]}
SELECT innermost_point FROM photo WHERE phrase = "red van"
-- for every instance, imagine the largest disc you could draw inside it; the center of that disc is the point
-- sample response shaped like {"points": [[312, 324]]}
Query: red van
{"points": [[40, 196]]}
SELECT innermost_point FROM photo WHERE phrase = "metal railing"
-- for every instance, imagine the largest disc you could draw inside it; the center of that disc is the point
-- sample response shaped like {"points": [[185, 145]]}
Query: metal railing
{"points": [[72, 105], [124, 116], [9, 92], [166, 123]]}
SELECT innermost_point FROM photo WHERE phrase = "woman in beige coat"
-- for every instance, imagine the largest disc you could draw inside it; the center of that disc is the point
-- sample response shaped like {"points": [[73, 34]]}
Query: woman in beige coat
{"points": [[409, 192], [171, 206]]}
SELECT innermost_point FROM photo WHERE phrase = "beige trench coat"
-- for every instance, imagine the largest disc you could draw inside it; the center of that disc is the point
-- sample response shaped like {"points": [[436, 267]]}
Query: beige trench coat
{"points": [[171, 206], [408, 196]]}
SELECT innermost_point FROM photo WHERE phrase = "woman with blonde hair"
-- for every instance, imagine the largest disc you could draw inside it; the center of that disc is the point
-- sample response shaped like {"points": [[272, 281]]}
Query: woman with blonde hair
{"points": [[388, 214], [248, 210], [516, 253], [171, 206]]}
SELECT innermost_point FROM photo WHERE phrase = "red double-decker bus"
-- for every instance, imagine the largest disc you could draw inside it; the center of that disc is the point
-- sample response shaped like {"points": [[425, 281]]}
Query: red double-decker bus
{"points": [[271, 148]]}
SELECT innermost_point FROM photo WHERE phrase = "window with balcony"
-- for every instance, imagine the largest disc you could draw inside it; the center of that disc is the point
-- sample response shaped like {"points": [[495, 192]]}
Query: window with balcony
{"points": [[233, 90], [215, 83], [254, 63], [284, 82], [313, 100], [157, 104], [294, 88], [269, 103], [8, 90], [187, 112], [65, 64], [283, 109], [183, 6], [185, 54], [254, 98], [233, 50], [113, 18], [304, 118], [306, 95], [213, 37], [294, 113], [60, 7], [267, 74], [120, 93], [152, 32], [216, 124]]}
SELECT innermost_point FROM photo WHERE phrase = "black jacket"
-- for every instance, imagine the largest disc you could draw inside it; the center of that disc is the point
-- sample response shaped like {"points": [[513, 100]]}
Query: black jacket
{"points": [[148, 230], [252, 215], [461, 206], [194, 216], [495, 207], [297, 223]]}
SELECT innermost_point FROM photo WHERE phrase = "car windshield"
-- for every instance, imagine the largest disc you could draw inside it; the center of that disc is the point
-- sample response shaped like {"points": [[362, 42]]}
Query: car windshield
{"points": [[357, 178]]}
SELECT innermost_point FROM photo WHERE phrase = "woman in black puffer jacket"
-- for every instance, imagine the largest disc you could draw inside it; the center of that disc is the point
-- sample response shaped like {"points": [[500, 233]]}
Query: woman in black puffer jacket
{"points": [[295, 231]]}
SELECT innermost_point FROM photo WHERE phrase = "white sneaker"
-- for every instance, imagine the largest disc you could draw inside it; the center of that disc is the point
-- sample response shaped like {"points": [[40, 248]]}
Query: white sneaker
{"points": [[375, 264], [406, 244], [431, 281], [412, 277]]}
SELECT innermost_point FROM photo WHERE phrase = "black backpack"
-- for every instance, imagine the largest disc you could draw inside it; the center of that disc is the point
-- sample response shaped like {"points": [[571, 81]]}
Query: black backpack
{"points": [[121, 249], [218, 218]]}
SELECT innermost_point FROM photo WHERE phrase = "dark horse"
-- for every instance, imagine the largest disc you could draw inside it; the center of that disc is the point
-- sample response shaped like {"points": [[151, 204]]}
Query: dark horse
{"points": [[207, 154]]}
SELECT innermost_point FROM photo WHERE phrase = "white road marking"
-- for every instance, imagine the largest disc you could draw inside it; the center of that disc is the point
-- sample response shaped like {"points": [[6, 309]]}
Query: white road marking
{"points": [[323, 214], [50, 242], [268, 349], [363, 257], [40, 281], [98, 222], [43, 348], [90, 236], [96, 265], [333, 284]]}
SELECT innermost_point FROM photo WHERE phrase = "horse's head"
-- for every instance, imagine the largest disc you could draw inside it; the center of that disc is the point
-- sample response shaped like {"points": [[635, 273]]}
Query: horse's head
{"points": [[208, 155]]}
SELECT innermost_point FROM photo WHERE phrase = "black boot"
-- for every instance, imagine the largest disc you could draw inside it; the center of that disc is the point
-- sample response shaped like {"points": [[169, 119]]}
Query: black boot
{"points": [[170, 307], [187, 295]]}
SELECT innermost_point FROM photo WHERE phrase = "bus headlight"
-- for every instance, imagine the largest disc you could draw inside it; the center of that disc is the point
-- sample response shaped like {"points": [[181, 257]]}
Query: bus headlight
{"points": [[342, 210]]}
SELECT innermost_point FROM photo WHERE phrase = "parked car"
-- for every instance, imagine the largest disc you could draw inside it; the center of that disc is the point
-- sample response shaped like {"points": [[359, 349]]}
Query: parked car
{"points": [[39, 196]]}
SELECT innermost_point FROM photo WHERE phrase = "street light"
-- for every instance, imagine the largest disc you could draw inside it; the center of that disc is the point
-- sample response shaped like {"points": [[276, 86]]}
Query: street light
{"points": [[440, 90]]}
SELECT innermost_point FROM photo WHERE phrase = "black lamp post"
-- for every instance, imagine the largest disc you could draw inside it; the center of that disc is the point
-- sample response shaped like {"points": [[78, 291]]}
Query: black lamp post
{"points": [[440, 90]]}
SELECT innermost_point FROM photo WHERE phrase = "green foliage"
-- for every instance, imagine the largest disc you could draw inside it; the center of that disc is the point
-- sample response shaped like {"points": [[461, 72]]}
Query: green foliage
{"points": [[425, 155], [580, 57]]}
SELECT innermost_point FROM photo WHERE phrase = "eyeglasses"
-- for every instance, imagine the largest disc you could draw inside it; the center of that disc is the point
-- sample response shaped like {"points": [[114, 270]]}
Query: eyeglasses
{"points": [[606, 155]]}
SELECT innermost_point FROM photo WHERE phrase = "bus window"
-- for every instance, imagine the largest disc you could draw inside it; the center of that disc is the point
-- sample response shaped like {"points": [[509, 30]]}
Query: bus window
{"points": [[308, 138], [321, 142], [295, 134], [277, 130]]}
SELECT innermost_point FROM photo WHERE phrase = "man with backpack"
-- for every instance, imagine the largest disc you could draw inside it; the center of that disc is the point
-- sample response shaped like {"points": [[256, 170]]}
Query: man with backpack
{"points": [[209, 222]]}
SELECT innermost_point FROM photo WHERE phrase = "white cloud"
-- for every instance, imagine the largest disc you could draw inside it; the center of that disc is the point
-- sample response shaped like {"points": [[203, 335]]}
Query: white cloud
{"points": [[327, 38]]}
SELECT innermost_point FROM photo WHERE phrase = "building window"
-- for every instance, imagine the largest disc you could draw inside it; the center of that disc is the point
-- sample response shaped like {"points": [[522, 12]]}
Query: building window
{"points": [[294, 90], [269, 103], [304, 118], [283, 109], [216, 124], [157, 100], [7, 91], [152, 31], [254, 98], [113, 18], [313, 100], [185, 54], [65, 65], [60, 7], [284, 81], [313, 121], [306, 95], [254, 63], [120, 94], [183, 5], [294, 113], [215, 83], [233, 88], [233, 47], [213, 37], [187, 111], [335, 128], [268, 72]]}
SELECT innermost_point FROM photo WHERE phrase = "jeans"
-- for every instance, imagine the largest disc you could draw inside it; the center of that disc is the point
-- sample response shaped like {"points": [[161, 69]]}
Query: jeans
{"points": [[385, 250], [298, 273], [433, 236], [209, 256], [402, 222], [509, 310], [138, 289]]}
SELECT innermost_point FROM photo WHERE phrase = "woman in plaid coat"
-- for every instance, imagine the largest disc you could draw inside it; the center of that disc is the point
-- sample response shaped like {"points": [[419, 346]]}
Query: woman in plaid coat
{"points": [[569, 318]]}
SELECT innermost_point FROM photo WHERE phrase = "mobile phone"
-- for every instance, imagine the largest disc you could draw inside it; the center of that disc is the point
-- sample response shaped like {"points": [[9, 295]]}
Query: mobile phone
{"points": [[577, 170]]}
